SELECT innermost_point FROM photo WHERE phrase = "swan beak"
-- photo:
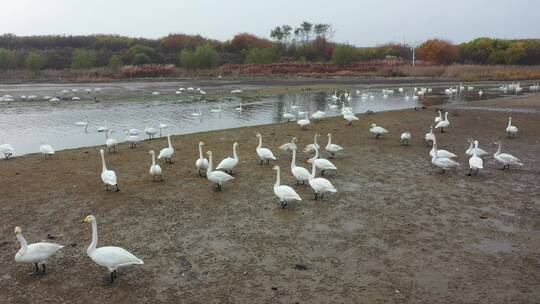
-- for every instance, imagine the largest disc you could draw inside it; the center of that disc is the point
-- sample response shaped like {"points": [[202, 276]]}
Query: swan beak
{"points": [[275, 168], [208, 153], [18, 230], [86, 219], [310, 161]]}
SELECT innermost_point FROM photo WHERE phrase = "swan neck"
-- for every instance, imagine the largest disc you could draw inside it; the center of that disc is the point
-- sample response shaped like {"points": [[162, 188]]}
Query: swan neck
{"points": [[498, 149], [93, 245], [153, 159], [210, 163], [509, 121], [293, 161], [277, 178], [235, 155], [200, 152], [313, 170], [329, 140], [24, 244], [169, 141], [260, 142], [103, 161]]}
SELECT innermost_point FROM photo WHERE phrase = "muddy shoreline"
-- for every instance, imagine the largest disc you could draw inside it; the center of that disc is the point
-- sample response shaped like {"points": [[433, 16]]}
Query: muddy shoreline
{"points": [[396, 231]]}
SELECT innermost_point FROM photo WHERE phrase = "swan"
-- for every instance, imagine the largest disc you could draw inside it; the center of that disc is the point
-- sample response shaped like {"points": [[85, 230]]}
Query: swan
{"points": [[107, 176], [313, 146], [332, 148], [480, 93], [406, 138], [103, 128], [288, 116], [83, 123], [264, 153], [36, 253], [111, 142], [511, 130], [239, 108], [110, 257], [134, 140], [430, 136], [216, 110], [161, 127], [321, 163], [7, 150], [378, 131], [349, 117], [506, 159], [229, 163], [475, 162], [443, 124], [132, 132], [46, 150], [440, 153], [155, 170], [155, 93], [304, 123], [168, 152], [198, 113], [151, 132], [301, 174], [320, 185], [318, 115], [479, 152], [287, 147], [438, 119], [216, 177], [284, 193], [201, 163], [444, 163]]}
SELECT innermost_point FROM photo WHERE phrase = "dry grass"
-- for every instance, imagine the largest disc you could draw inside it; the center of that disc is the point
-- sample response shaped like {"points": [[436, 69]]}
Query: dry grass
{"points": [[474, 72]]}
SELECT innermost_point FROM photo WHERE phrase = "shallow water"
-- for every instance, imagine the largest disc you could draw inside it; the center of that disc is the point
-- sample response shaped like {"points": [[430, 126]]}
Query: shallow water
{"points": [[24, 126]]}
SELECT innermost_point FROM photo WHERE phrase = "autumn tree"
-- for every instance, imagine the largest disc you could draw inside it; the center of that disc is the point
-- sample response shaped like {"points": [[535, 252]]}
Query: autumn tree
{"points": [[438, 51]]}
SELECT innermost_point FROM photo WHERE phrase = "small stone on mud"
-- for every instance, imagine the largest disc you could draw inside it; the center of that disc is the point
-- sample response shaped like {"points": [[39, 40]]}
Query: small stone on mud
{"points": [[300, 267], [185, 264], [483, 216], [50, 236], [274, 288], [73, 244]]}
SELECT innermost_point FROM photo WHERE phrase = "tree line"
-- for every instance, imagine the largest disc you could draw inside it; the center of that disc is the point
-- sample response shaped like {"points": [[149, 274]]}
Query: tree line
{"points": [[307, 42]]}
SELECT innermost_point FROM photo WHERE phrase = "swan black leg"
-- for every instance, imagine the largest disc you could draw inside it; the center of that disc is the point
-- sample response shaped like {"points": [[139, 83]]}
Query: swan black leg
{"points": [[442, 130], [43, 269], [316, 195], [117, 189], [259, 163], [322, 173], [322, 195], [283, 204]]}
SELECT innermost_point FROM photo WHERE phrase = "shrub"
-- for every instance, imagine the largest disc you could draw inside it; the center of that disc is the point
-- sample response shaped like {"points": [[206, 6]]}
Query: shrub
{"points": [[261, 56], [141, 58], [115, 63], [34, 62], [152, 70], [246, 41], [439, 52], [83, 59], [344, 55], [6, 59], [204, 57]]}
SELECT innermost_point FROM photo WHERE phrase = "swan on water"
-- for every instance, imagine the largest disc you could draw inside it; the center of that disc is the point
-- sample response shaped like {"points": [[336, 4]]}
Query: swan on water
{"points": [[155, 93], [444, 123], [7, 150], [479, 152], [475, 162], [313, 146], [201, 163], [36, 253], [438, 119], [111, 142], [288, 147], [284, 193], [83, 123], [107, 176], [300, 174], [304, 123], [216, 177], [229, 163], [198, 113], [317, 116], [377, 130], [430, 136], [288, 116], [131, 131], [406, 138], [46, 150], [506, 159], [103, 128], [332, 148], [110, 257], [511, 130], [322, 163], [168, 152], [443, 162], [155, 169], [320, 185], [151, 132], [264, 153]]}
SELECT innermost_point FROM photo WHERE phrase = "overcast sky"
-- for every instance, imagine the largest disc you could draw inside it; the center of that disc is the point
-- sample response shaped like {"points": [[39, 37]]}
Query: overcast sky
{"points": [[359, 22]]}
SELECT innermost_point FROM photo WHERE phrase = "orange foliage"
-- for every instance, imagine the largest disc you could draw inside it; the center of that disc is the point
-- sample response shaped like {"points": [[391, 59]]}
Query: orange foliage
{"points": [[438, 52], [247, 41], [177, 42]]}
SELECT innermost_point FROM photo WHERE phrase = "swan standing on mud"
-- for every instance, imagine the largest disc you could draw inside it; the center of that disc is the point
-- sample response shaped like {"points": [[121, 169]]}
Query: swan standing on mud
{"points": [[506, 159], [304, 123], [36, 253], [264, 153], [46, 150], [377, 130], [288, 147], [405, 138], [216, 177], [443, 162], [155, 169], [107, 176], [111, 142], [332, 148], [322, 163], [313, 146], [110, 257], [443, 124], [472, 148], [201, 163], [168, 152], [229, 163], [319, 185], [283, 192], [475, 162], [511, 130], [7, 150], [430, 137], [300, 174]]}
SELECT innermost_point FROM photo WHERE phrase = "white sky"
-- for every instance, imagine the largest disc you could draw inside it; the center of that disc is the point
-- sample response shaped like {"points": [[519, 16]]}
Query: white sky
{"points": [[359, 22]]}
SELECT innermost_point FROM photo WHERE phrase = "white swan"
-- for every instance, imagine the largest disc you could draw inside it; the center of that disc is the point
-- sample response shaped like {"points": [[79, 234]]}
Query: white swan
{"points": [[198, 113], [318, 115], [36, 253], [111, 142], [264, 153], [288, 147], [216, 177], [512, 131], [288, 116], [161, 127], [332, 148], [406, 138], [444, 163], [321, 163], [134, 140], [103, 128], [229, 163], [107, 176], [438, 118], [155, 170], [479, 152], [313, 146], [168, 152], [83, 123], [7, 150], [377, 130], [301, 174], [320, 185], [440, 153], [304, 123], [475, 162], [284, 193], [151, 132], [132, 131], [110, 257], [443, 124], [46, 150], [201, 163], [430, 136], [350, 117], [506, 159]]}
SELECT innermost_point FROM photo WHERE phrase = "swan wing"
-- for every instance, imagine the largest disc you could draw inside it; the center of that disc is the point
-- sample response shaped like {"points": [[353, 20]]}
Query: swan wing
{"points": [[445, 154], [218, 177], [165, 153], [202, 163], [300, 173], [114, 257], [510, 159], [476, 163], [227, 163], [286, 193], [265, 153], [38, 252], [325, 164], [322, 185], [109, 177]]}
